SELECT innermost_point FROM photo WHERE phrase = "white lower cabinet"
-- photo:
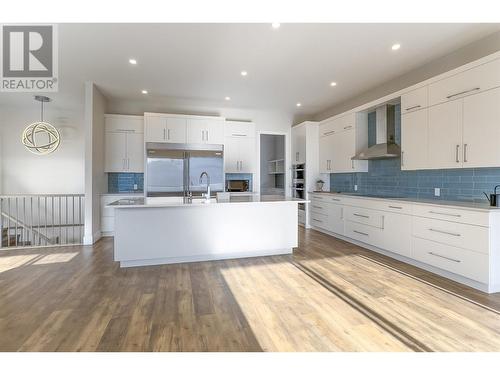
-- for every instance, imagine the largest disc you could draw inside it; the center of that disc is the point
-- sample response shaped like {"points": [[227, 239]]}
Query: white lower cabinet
{"points": [[453, 259], [108, 213], [460, 241]]}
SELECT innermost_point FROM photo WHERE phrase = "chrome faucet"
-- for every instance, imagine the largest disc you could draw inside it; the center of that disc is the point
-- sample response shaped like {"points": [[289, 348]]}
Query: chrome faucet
{"points": [[207, 195]]}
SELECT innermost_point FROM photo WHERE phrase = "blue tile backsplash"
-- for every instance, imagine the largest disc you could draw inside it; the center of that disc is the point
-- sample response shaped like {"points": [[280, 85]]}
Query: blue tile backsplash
{"points": [[385, 177], [124, 182]]}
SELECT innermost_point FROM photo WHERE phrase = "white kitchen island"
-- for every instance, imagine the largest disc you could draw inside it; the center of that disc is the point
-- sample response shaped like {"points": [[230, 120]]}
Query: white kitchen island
{"points": [[151, 231]]}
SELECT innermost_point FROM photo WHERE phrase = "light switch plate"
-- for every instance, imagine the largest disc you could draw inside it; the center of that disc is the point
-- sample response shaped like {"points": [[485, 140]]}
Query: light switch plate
{"points": [[355, 187], [437, 192]]}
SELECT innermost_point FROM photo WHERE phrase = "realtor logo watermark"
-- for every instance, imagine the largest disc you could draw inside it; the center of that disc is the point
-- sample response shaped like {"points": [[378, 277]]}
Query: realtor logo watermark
{"points": [[29, 58]]}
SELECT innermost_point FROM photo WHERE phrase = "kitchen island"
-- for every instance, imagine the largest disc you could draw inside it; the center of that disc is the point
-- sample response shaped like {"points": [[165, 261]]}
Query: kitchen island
{"points": [[151, 231]]}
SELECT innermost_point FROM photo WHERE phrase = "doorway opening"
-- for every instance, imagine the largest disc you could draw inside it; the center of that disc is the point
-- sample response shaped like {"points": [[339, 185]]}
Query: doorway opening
{"points": [[272, 164]]}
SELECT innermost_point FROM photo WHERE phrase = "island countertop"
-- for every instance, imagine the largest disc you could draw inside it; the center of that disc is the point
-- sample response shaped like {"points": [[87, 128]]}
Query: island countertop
{"points": [[196, 202]]}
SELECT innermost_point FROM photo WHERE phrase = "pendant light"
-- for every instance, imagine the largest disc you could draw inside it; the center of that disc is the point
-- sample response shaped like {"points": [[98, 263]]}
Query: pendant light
{"points": [[41, 138]]}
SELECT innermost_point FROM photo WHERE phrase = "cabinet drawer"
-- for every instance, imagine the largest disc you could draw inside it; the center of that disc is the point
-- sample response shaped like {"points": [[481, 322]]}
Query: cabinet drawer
{"points": [[414, 100], [466, 236], [452, 214], [364, 216], [472, 81], [319, 207], [453, 259], [363, 233], [329, 198], [319, 220], [393, 206]]}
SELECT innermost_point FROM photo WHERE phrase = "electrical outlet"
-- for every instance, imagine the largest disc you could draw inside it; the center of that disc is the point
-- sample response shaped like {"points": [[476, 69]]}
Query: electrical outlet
{"points": [[437, 192], [355, 187], [135, 186]]}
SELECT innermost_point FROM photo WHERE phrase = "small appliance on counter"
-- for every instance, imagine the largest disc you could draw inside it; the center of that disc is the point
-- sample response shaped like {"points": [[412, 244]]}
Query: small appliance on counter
{"points": [[494, 198]]}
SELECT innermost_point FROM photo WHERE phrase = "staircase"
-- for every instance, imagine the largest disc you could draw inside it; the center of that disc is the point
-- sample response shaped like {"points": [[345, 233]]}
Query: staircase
{"points": [[12, 240]]}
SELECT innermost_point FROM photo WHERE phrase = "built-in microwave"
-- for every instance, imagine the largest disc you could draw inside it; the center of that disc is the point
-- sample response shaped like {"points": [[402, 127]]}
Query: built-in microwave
{"points": [[237, 185]]}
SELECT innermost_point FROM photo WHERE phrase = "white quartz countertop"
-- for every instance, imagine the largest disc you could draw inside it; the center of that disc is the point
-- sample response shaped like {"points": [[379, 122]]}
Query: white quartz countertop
{"points": [[179, 201], [436, 202]]}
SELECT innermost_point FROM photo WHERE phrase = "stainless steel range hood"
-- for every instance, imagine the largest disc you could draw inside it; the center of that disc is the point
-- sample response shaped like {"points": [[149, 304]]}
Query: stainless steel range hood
{"points": [[386, 146]]}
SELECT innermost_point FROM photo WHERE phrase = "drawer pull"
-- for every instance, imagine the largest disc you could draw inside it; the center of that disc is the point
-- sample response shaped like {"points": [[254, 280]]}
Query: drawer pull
{"points": [[348, 127], [442, 256], [318, 207], [336, 199], [358, 232], [444, 232], [444, 213], [463, 92], [363, 216], [319, 221], [238, 135], [414, 107], [396, 207], [330, 132]]}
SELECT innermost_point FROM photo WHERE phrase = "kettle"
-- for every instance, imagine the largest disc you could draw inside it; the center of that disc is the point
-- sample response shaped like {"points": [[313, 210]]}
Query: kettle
{"points": [[494, 198]]}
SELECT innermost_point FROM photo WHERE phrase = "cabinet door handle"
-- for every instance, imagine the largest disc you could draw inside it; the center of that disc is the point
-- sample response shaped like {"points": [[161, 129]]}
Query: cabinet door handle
{"points": [[352, 164], [330, 132], [348, 127], [465, 152], [318, 207], [123, 164], [168, 134], [164, 134], [457, 150], [402, 158], [358, 232], [463, 92], [444, 232], [444, 214], [241, 165], [363, 216], [341, 213], [238, 135], [396, 207], [319, 221], [128, 164], [442, 256], [414, 107]]}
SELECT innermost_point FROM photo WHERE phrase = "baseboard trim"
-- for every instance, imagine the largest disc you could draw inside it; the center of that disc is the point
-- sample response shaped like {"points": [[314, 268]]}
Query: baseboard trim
{"points": [[203, 258]]}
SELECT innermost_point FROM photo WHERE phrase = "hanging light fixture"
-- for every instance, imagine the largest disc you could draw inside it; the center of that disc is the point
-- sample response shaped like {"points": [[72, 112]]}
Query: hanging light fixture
{"points": [[41, 138]]}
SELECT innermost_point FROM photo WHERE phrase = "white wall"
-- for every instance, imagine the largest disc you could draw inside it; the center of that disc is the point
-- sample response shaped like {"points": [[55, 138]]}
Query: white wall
{"points": [[25, 173], [95, 178]]}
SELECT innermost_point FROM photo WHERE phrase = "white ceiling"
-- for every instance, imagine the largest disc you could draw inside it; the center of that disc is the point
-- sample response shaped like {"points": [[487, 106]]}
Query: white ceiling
{"points": [[200, 64]]}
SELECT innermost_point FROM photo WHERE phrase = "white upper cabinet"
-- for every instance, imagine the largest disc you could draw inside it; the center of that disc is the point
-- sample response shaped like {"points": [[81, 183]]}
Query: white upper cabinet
{"points": [[299, 144], [468, 82], [415, 140], [340, 140], [205, 131], [175, 131], [481, 130], [239, 147], [414, 100], [445, 135], [124, 144], [155, 129]]}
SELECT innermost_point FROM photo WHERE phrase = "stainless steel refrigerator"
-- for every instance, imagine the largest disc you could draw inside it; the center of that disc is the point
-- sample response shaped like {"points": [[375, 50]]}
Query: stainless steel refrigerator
{"points": [[174, 169]]}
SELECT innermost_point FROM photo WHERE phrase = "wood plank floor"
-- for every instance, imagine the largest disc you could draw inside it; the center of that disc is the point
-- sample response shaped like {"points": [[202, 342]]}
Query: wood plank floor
{"points": [[329, 296]]}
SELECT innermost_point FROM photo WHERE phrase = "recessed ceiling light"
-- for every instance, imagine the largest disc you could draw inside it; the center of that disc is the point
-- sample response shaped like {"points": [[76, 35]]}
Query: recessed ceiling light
{"points": [[133, 61], [144, 92], [227, 98], [276, 25], [299, 104], [244, 73], [396, 46], [333, 84]]}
